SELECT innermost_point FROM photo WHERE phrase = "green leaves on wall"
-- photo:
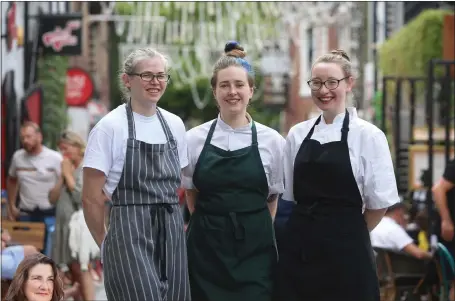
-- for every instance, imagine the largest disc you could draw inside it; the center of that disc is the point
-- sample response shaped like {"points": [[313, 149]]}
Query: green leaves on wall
{"points": [[52, 77], [409, 50]]}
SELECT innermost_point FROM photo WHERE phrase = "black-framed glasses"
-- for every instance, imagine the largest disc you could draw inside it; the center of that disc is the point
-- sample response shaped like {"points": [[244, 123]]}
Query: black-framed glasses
{"points": [[148, 77], [331, 84]]}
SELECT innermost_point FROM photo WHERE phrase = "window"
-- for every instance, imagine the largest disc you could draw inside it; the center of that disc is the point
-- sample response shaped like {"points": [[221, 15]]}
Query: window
{"points": [[310, 47]]}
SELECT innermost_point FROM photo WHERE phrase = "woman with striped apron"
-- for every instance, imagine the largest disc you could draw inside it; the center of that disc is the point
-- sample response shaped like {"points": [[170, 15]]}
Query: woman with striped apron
{"points": [[144, 251]]}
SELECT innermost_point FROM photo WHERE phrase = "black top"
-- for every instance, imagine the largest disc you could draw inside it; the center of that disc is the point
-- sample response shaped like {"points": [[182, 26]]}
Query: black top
{"points": [[449, 175]]}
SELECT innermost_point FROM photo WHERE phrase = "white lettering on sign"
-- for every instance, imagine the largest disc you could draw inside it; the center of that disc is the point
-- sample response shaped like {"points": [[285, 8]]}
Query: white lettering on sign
{"points": [[75, 86], [59, 38]]}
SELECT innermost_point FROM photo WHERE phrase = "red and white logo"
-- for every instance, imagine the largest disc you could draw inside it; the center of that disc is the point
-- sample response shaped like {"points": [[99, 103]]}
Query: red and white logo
{"points": [[59, 38], [79, 87]]}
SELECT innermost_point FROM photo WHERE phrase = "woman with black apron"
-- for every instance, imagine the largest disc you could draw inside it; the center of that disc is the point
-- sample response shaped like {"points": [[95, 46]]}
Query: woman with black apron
{"points": [[233, 178], [336, 165]]}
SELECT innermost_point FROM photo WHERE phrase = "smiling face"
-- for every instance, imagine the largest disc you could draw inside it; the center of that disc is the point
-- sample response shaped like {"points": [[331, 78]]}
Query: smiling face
{"points": [[149, 80], [333, 99], [232, 91], [39, 285]]}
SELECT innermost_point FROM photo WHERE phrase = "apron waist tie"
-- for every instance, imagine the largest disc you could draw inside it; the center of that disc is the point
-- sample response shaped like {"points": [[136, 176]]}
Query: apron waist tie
{"points": [[159, 210]]}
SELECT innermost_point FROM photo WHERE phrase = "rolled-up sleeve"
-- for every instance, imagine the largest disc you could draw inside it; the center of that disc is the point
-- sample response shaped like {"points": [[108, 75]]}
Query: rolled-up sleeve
{"points": [[99, 151], [288, 167], [187, 174], [380, 187]]}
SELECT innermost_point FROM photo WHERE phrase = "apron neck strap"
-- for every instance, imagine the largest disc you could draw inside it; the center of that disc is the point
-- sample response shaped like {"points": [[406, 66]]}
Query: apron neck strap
{"points": [[130, 117], [345, 128], [254, 133], [310, 133], [132, 126], [164, 124]]}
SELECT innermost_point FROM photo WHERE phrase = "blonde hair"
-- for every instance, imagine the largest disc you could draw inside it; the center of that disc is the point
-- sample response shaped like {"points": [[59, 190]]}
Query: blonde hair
{"points": [[129, 65], [341, 58], [338, 57], [72, 138]]}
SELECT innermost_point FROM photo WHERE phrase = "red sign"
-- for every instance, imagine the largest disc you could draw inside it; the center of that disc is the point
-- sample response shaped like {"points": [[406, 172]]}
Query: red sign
{"points": [[33, 105], [59, 38], [79, 87], [11, 29]]}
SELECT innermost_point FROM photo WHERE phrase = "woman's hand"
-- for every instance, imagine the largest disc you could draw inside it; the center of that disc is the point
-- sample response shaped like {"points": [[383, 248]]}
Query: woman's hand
{"points": [[67, 166]]}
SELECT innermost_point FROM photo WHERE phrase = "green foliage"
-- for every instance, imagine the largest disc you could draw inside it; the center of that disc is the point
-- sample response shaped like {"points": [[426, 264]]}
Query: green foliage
{"points": [[52, 77], [409, 50], [114, 63]]}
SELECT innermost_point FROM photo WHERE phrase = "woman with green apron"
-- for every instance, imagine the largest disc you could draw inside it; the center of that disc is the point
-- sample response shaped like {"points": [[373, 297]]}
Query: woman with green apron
{"points": [[233, 179]]}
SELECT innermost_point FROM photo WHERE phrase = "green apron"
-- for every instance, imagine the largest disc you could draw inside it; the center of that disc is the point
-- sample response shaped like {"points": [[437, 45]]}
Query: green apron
{"points": [[231, 243]]}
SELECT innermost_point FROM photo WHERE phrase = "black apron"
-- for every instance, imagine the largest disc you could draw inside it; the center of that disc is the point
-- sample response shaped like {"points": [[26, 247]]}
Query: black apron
{"points": [[231, 247], [326, 252]]}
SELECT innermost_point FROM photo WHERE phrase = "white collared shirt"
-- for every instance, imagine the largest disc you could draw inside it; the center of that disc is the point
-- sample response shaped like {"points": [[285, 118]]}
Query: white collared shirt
{"points": [[388, 234], [271, 147], [368, 151]]}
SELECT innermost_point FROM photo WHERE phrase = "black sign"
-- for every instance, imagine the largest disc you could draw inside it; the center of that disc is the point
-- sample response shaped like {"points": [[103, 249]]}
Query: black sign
{"points": [[61, 34]]}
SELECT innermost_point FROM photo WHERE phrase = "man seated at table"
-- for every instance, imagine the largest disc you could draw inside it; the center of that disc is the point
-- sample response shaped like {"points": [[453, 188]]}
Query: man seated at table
{"points": [[390, 234]]}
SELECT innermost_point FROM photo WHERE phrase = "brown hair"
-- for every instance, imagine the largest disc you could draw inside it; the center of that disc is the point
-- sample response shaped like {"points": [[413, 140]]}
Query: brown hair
{"points": [[232, 51], [72, 138], [16, 289], [338, 57]]}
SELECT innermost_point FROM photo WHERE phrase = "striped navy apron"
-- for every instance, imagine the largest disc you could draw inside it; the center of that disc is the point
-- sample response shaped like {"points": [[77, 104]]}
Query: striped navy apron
{"points": [[144, 253]]}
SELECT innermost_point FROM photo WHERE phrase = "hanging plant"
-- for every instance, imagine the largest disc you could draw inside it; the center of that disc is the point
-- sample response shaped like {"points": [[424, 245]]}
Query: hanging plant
{"points": [[178, 97], [52, 77]]}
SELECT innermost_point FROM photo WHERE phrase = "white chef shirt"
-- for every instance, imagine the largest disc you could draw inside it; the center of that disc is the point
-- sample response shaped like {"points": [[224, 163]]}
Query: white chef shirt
{"points": [[368, 151], [389, 235], [106, 147], [270, 143]]}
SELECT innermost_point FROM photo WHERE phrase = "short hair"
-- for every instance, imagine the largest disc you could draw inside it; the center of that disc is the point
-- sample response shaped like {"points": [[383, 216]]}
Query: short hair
{"points": [[129, 65], [31, 124]]}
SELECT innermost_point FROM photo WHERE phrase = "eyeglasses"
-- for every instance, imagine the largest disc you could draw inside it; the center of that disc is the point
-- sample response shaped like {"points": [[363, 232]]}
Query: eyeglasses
{"points": [[331, 84], [148, 77]]}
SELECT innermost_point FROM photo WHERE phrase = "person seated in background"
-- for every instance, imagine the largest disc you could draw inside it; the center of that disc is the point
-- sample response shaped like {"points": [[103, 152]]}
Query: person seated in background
{"points": [[390, 234], [13, 255]]}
